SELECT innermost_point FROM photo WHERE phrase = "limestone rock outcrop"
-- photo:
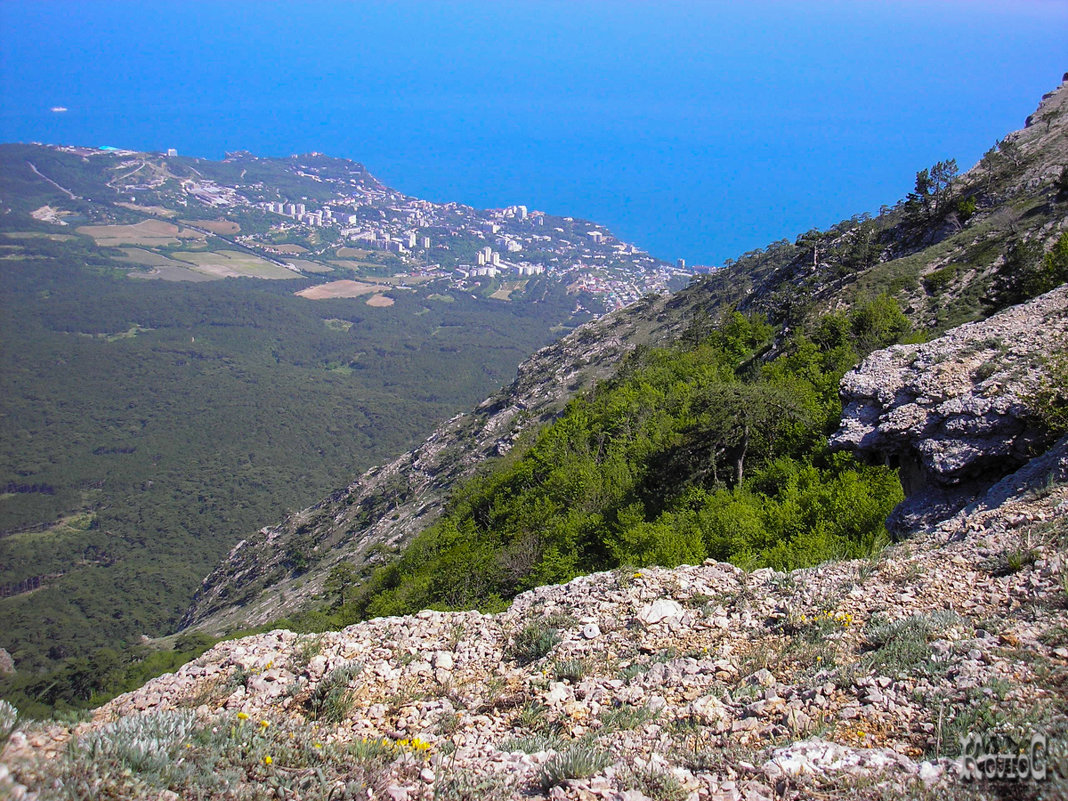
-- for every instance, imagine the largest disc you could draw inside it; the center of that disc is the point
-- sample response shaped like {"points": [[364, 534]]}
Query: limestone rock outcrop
{"points": [[954, 414]]}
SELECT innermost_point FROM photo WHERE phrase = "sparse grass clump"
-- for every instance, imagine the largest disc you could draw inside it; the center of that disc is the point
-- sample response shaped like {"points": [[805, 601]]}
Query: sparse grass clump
{"points": [[461, 785], [331, 701], [9, 719], [653, 783], [580, 761], [569, 670], [900, 646], [147, 743], [533, 642], [625, 717], [531, 744]]}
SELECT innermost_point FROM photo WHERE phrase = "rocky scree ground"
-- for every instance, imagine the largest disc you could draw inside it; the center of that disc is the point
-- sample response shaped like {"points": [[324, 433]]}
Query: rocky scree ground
{"points": [[851, 679]]}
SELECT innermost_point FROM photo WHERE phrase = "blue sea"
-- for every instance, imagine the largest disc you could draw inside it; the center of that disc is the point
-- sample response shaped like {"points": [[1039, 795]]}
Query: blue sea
{"points": [[697, 130]]}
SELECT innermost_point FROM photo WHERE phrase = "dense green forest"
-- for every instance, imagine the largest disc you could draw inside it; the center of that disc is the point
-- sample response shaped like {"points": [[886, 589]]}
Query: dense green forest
{"points": [[147, 426], [712, 448]]}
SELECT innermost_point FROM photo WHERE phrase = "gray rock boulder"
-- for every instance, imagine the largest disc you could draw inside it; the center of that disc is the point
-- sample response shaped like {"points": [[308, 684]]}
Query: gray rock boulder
{"points": [[954, 413]]}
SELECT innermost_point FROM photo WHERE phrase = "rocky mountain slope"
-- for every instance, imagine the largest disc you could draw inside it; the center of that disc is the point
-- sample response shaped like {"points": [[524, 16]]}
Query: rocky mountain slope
{"points": [[387, 505], [945, 266], [852, 679]]}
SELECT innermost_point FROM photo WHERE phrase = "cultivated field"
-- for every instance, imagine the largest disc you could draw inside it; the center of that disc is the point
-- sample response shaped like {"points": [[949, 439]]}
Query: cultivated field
{"points": [[306, 266], [147, 258], [38, 235], [158, 211], [173, 272], [379, 301], [353, 253], [148, 232], [216, 226], [354, 265], [232, 264]]}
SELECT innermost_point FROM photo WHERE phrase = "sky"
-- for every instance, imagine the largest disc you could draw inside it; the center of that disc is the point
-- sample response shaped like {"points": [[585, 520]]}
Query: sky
{"points": [[697, 130]]}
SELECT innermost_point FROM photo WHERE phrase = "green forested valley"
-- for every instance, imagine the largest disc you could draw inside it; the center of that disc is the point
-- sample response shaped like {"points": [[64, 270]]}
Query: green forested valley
{"points": [[147, 425]]}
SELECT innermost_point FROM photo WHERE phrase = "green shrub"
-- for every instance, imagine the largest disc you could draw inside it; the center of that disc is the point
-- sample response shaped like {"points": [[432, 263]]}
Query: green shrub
{"points": [[966, 208], [938, 280], [1049, 402]]}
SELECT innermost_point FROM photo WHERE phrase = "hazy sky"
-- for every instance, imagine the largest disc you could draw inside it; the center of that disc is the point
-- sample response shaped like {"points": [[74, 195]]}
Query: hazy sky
{"points": [[695, 129]]}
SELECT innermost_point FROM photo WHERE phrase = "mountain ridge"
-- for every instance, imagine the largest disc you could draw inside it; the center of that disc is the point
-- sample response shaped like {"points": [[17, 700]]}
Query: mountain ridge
{"points": [[902, 252]]}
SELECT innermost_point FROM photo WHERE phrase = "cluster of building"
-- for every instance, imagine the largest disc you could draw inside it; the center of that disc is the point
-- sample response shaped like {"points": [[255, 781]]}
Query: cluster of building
{"points": [[300, 213], [211, 194], [514, 241]]}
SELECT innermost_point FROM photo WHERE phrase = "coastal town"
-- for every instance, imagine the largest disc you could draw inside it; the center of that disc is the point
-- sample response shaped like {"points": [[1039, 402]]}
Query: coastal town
{"points": [[464, 245], [326, 218]]}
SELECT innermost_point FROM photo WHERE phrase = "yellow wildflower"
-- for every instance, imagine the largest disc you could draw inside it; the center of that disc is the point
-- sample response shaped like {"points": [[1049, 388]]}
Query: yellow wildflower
{"points": [[267, 760], [242, 716], [265, 723]]}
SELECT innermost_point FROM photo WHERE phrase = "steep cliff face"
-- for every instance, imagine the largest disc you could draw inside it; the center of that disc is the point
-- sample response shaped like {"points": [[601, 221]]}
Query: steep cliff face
{"points": [[955, 414]]}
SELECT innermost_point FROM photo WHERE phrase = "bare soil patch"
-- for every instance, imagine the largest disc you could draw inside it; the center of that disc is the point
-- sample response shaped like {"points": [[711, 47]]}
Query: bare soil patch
{"points": [[338, 289], [50, 215]]}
